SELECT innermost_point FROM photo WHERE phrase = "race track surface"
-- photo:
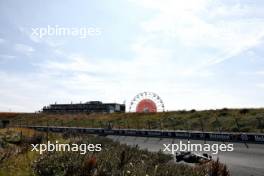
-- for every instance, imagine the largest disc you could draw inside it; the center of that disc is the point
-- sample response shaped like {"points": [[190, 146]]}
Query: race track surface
{"points": [[243, 161]]}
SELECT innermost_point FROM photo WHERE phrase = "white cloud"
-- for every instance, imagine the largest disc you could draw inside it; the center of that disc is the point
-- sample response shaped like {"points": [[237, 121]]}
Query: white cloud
{"points": [[173, 55], [24, 49], [2, 40], [49, 41], [6, 56], [260, 73], [200, 24], [260, 85]]}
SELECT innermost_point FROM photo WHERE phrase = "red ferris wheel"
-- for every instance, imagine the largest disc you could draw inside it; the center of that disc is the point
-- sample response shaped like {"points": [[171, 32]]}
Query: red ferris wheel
{"points": [[146, 102]]}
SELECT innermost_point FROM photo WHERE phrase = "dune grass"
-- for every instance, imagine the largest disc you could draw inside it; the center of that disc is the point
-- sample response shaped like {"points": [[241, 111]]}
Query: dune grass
{"points": [[114, 159], [245, 120]]}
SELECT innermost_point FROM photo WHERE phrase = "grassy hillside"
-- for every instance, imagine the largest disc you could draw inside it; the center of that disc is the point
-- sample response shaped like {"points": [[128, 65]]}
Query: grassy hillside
{"points": [[246, 120]]}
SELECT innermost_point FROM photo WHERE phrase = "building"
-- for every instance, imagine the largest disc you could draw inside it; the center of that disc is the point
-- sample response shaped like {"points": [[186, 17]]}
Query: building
{"points": [[88, 107]]}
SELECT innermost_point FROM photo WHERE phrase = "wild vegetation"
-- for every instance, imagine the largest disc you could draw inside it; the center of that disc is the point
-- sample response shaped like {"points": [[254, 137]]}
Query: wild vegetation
{"points": [[15, 155], [115, 159], [236, 120]]}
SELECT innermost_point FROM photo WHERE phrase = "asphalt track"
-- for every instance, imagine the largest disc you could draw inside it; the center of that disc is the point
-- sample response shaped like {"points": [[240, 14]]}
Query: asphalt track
{"points": [[245, 160]]}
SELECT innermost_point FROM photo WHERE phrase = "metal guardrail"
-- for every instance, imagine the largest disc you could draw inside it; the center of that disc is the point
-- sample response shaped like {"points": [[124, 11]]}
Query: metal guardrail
{"points": [[194, 135]]}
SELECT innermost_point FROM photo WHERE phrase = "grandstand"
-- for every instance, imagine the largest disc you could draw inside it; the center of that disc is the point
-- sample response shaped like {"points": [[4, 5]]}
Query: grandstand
{"points": [[88, 107]]}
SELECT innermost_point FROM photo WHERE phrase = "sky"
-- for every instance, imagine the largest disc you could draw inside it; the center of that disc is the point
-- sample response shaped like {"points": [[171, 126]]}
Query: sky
{"points": [[195, 54]]}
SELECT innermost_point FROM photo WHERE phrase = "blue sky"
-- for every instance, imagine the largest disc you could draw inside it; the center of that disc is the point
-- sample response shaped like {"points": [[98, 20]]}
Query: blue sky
{"points": [[196, 54]]}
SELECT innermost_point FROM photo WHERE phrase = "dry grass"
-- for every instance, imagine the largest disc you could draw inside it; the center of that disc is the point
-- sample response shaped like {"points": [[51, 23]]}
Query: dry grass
{"points": [[6, 115], [115, 159], [213, 120]]}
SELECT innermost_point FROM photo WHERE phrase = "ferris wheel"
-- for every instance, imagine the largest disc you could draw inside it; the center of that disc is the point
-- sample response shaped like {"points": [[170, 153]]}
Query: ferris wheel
{"points": [[146, 102]]}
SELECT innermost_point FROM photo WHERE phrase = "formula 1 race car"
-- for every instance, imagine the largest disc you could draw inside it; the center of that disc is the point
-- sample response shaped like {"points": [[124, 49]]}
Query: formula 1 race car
{"points": [[190, 157]]}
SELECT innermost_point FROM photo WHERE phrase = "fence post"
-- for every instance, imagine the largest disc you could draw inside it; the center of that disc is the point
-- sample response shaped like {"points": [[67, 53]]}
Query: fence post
{"points": [[202, 127], [238, 127], [260, 124], [47, 131]]}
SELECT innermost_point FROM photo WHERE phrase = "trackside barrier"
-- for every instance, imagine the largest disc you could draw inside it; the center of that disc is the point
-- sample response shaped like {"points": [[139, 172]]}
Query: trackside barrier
{"points": [[195, 135]]}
